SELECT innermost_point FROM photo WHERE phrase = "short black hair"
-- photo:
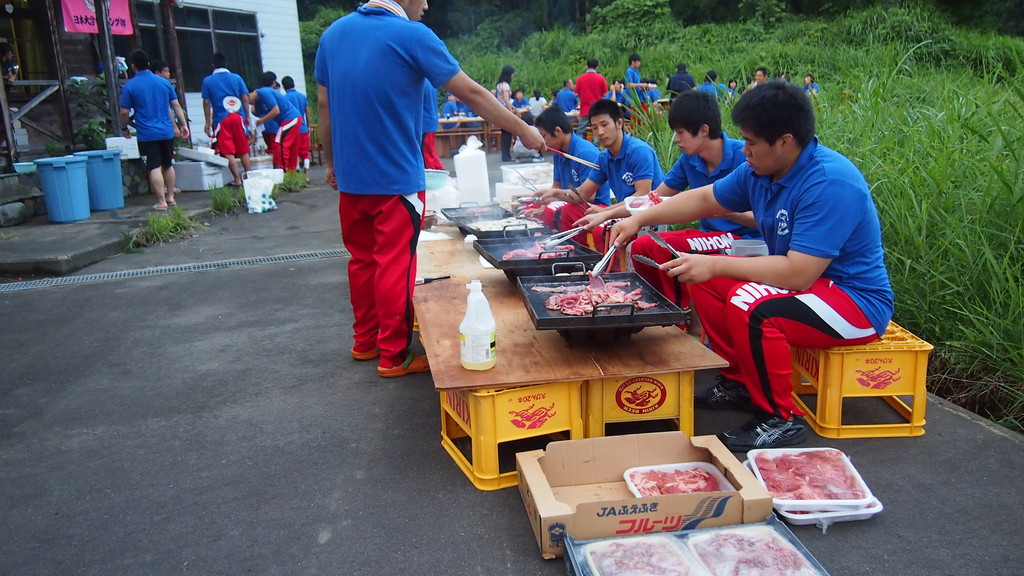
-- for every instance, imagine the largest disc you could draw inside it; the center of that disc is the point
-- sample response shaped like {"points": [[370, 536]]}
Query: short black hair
{"points": [[158, 65], [605, 106], [634, 58], [139, 59], [219, 60], [592, 63], [288, 82], [762, 69], [268, 78], [5, 48], [551, 118], [692, 109], [681, 67], [565, 83], [773, 109]]}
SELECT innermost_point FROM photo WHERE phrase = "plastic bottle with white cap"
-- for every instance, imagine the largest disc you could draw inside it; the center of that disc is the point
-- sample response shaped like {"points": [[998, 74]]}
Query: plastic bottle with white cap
{"points": [[477, 331]]}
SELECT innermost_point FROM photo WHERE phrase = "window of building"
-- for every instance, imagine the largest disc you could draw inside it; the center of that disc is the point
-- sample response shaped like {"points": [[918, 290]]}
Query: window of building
{"points": [[201, 32]]}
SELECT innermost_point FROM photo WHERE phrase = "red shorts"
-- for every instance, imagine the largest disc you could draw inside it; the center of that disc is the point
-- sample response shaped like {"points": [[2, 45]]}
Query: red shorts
{"points": [[230, 135], [693, 241]]}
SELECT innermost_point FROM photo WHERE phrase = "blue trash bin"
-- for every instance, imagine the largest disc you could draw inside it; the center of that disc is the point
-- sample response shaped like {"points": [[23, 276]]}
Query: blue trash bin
{"points": [[104, 170], [65, 188]]}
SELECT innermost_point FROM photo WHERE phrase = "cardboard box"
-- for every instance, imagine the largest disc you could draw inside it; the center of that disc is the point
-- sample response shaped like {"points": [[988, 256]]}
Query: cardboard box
{"points": [[576, 487], [129, 147]]}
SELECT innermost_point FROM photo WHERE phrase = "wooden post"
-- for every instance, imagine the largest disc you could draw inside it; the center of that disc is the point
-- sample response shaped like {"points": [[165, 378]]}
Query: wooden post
{"points": [[62, 73], [170, 28], [109, 64], [12, 145]]}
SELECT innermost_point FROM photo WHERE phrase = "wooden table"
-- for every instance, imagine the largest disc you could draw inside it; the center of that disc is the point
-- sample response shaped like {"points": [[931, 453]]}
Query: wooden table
{"points": [[526, 355], [542, 385]]}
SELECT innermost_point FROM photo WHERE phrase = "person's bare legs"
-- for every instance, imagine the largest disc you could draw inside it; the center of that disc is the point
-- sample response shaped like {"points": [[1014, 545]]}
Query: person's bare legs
{"points": [[156, 184], [245, 163], [168, 176], [236, 178]]}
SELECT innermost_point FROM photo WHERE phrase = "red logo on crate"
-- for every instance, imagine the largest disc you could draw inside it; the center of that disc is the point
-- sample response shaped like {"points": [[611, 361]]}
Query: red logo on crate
{"points": [[459, 405], [808, 360], [530, 418], [876, 379], [640, 395]]}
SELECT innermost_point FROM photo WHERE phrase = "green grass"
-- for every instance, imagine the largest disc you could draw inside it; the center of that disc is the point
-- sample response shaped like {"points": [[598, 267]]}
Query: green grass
{"points": [[226, 200], [170, 225], [293, 182], [933, 116]]}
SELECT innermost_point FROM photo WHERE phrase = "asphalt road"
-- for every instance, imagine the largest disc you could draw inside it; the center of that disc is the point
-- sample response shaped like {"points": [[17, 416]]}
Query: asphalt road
{"points": [[212, 422]]}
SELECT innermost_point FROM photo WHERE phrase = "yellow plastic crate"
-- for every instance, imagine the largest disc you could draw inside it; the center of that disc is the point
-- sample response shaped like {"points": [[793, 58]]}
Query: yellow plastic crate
{"points": [[661, 396], [494, 416], [893, 368]]}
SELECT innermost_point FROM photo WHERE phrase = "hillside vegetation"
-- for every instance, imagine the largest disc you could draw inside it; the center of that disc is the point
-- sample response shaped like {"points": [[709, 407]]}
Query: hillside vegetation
{"points": [[931, 114]]}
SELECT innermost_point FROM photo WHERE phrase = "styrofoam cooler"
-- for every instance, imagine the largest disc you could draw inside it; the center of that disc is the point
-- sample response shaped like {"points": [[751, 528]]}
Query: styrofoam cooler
{"points": [[192, 176], [103, 168], [65, 188]]}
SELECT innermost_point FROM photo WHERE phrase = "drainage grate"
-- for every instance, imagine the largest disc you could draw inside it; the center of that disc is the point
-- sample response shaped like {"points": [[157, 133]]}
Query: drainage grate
{"points": [[161, 270]]}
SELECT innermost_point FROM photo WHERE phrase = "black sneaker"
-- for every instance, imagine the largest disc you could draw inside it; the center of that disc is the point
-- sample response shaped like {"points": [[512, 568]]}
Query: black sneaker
{"points": [[724, 394], [765, 431]]}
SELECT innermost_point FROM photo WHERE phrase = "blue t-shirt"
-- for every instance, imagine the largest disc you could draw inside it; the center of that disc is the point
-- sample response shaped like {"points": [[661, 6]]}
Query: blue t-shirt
{"points": [[520, 103], [429, 108], [691, 171], [716, 90], [636, 161], [821, 207], [356, 52], [449, 110], [566, 100], [267, 98], [150, 96], [622, 98], [301, 103], [465, 109], [220, 86], [571, 172], [633, 77]]}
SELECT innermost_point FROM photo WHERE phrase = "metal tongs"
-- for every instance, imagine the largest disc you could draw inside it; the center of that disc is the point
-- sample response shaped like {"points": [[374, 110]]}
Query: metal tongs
{"points": [[596, 282], [645, 260], [554, 239], [661, 242], [581, 202]]}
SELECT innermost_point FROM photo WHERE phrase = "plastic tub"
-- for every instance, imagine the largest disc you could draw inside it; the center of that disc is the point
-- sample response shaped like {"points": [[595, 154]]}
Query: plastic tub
{"points": [[436, 179], [723, 484], [103, 168], [812, 505], [25, 167], [65, 188]]}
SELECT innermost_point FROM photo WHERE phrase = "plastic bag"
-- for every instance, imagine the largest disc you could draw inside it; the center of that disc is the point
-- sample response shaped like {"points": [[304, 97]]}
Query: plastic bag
{"points": [[472, 144], [258, 194]]}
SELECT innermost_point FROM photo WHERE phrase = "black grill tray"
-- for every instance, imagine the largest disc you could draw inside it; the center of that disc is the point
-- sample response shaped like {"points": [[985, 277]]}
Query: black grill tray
{"points": [[628, 318], [492, 250]]}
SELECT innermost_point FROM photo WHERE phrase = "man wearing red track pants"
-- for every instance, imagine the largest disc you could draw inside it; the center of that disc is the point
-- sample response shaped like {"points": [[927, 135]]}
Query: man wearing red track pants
{"points": [[823, 284]]}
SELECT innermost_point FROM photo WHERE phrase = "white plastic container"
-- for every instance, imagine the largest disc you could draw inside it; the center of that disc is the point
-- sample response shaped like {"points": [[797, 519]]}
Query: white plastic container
{"points": [[477, 331], [821, 505], [471, 173]]}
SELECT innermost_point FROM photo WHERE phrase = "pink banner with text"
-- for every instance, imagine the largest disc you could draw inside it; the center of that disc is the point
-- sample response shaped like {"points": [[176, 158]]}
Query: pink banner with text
{"points": [[80, 16]]}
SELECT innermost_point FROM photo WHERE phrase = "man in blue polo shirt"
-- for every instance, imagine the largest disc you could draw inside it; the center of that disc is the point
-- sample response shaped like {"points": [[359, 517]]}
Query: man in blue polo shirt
{"points": [[558, 134], [708, 156], [628, 165], [382, 187], [823, 284], [566, 98], [150, 95], [270, 104], [301, 103], [226, 106]]}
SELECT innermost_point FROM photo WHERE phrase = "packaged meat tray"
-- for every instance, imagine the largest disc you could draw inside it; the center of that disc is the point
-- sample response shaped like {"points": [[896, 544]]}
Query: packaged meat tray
{"points": [[753, 550], [681, 478], [825, 519], [654, 555], [810, 479]]}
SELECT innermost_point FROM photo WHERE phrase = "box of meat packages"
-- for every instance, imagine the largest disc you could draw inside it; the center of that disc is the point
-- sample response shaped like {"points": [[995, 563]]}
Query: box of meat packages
{"points": [[577, 487], [762, 548]]}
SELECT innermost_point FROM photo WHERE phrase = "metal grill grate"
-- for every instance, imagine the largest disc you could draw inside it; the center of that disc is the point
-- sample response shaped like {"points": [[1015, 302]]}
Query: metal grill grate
{"points": [[161, 270]]}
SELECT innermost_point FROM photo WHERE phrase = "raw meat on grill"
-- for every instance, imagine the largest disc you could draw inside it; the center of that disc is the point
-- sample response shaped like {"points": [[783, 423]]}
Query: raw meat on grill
{"points": [[749, 551], [658, 482], [809, 475], [643, 556], [583, 299], [574, 287], [537, 251]]}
